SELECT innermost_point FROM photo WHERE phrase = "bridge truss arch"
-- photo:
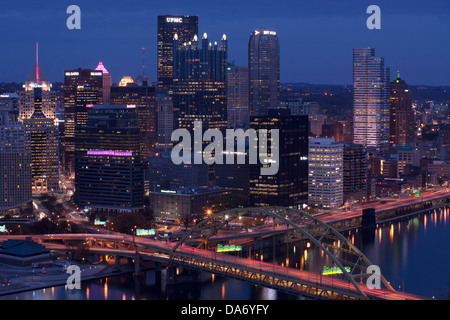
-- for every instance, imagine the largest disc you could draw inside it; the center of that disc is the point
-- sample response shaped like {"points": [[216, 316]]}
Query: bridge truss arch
{"points": [[351, 262]]}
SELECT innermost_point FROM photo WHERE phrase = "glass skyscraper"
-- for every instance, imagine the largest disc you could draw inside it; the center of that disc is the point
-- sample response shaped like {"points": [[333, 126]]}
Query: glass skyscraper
{"points": [[199, 83], [186, 27], [402, 124], [289, 186], [264, 71], [82, 88], [109, 169], [370, 99]]}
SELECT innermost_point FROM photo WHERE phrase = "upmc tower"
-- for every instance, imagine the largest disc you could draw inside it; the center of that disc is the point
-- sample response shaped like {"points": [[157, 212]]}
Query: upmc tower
{"points": [[186, 27]]}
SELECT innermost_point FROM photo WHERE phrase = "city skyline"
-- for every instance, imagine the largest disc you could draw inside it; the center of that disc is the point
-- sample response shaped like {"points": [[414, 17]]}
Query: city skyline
{"points": [[252, 150], [410, 38]]}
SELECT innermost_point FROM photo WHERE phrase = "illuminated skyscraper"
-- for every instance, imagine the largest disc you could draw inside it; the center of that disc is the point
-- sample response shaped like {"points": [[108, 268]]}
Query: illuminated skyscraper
{"points": [[370, 99], [37, 79], [144, 99], [10, 102], [325, 170], [15, 164], [199, 83], [237, 97], [264, 71], [107, 82], [289, 186], [186, 27], [402, 122], [42, 139], [110, 172], [82, 87]]}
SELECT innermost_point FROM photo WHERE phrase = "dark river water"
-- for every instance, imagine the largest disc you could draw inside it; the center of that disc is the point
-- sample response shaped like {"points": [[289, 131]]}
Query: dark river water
{"points": [[413, 255]]}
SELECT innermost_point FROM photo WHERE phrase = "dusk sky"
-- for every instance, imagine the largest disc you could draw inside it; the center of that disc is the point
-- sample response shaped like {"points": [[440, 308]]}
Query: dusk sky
{"points": [[316, 37]]}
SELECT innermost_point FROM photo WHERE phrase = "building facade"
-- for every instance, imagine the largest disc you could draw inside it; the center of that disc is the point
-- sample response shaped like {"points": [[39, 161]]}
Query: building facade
{"points": [[110, 171], [371, 82], [42, 139], [326, 174], [238, 112], [144, 99], [289, 186], [402, 120], [264, 71], [15, 164], [199, 83], [186, 27], [355, 172], [82, 88]]}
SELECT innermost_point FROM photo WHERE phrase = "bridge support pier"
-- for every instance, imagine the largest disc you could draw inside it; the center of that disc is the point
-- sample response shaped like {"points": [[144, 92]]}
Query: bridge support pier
{"points": [[368, 225], [176, 275], [137, 264], [117, 262]]}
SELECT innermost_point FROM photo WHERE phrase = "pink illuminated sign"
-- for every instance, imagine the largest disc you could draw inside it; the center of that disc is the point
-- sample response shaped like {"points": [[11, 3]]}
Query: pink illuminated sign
{"points": [[109, 153]]}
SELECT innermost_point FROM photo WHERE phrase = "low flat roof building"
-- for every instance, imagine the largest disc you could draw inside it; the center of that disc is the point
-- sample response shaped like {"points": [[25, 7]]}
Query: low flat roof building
{"points": [[23, 252]]}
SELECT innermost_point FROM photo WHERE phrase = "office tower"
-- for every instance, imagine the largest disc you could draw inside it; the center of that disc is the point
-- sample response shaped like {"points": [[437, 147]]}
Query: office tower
{"points": [[289, 186], [383, 166], [37, 79], [234, 177], [185, 27], [402, 121], [199, 83], [163, 174], [293, 104], [42, 139], [264, 71], [165, 121], [407, 156], [355, 172], [110, 172], [143, 97], [237, 97], [10, 102], [125, 81], [316, 121], [371, 91], [325, 170], [334, 130], [82, 87], [15, 164], [107, 82]]}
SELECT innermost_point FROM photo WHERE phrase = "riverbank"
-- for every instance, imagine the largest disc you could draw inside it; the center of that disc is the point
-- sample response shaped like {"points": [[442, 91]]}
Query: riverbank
{"points": [[22, 279]]}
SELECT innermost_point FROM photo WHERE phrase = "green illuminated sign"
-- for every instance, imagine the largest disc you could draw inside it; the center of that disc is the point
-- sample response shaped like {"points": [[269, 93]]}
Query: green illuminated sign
{"points": [[145, 232], [333, 270], [99, 223], [228, 248]]}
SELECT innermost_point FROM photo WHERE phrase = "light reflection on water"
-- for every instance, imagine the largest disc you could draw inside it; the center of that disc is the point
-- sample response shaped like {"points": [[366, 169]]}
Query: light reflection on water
{"points": [[413, 256]]}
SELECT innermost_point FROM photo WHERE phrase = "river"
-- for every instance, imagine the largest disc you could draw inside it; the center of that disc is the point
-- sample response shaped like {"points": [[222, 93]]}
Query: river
{"points": [[413, 255]]}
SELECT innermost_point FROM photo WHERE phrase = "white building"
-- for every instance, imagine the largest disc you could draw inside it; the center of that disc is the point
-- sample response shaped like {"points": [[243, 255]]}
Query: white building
{"points": [[325, 173]]}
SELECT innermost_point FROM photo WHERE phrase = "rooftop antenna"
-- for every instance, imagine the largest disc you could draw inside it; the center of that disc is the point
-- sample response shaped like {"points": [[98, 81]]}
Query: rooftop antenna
{"points": [[143, 62], [37, 62]]}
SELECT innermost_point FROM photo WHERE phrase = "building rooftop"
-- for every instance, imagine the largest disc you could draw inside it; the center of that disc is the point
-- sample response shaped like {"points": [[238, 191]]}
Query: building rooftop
{"points": [[22, 248]]}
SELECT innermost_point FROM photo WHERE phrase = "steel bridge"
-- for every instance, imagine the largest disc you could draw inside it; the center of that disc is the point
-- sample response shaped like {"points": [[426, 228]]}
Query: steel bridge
{"points": [[195, 250]]}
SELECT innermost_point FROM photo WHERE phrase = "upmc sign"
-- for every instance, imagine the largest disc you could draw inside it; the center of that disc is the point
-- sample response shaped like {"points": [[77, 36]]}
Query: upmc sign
{"points": [[174, 20]]}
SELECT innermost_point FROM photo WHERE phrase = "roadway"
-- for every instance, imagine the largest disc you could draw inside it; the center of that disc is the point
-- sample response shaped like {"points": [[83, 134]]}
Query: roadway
{"points": [[159, 250]]}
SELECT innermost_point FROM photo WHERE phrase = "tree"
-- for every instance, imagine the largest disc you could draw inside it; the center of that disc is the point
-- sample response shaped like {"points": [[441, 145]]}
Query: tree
{"points": [[230, 201], [126, 222]]}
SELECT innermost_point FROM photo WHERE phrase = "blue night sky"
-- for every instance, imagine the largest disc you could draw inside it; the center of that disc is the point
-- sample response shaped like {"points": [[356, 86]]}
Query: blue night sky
{"points": [[316, 37]]}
